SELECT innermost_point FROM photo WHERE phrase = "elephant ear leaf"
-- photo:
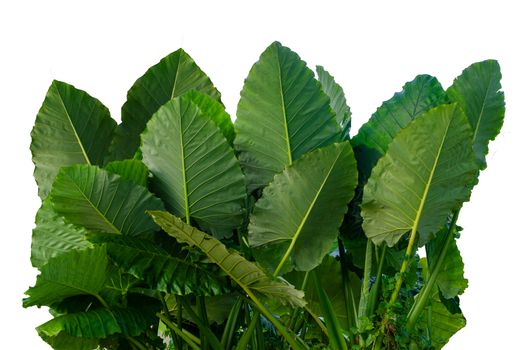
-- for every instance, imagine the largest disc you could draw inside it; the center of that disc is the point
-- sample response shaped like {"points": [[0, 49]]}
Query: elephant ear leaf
{"points": [[478, 91], [246, 274], [337, 100], [82, 330], [297, 219], [71, 127], [77, 272], [282, 114], [101, 201], [195, 169], [130, 170], [173, 76], [427, 172]]}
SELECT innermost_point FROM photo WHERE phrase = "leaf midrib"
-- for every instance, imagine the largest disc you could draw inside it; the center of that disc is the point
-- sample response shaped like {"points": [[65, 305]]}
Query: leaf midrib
{"points": [[305, 218], [284, 117], [85, 155], [477, 126]]}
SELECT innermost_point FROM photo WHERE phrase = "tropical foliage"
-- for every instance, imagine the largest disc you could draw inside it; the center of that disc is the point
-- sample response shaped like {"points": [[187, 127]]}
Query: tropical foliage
{"points": [[178, 229]]}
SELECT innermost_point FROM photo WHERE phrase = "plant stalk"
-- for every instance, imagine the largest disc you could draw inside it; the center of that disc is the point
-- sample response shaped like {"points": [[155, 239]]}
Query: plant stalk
{"points": [[408, 253], [350, 303], [423, 297], [374, 291]]}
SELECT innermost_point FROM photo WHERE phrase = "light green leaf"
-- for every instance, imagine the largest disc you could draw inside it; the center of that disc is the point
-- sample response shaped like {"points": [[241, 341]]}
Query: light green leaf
{"points": [[282, 114], [53, 236], [129, 169], [427, 172], [71, 127], [245, 273], [295, 223], [195, 170], [337, 100], [98, 200], [478, 91], [77, 272], [161, 271], [450, 279], [173, 76]]}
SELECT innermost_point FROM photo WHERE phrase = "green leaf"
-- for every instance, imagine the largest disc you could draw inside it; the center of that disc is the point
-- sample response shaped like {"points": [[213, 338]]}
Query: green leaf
{"points": [[478, 91], [77, 272], [129, 169], [98, 200], [215, 111], [173, 76], [195, 170], [245, 273], [282, 114], [337, 100], [450, 279], [63, 341], [437, 322], [53, 236], [96, 324], [71, 127], [161, 271], [426, 173], [297, 219]]}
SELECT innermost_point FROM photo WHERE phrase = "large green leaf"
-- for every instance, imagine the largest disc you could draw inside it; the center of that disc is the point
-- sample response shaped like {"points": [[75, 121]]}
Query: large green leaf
{"points": [[337, 100], [130, 170], [477, 91], [195, 170], [282, 114], [161, 271], [53, 236], [98, 200], [94, 324], [426, 173], [450, 279], [297, 219], [173, 76], [71, 127], [77, 272], [245, 273]]}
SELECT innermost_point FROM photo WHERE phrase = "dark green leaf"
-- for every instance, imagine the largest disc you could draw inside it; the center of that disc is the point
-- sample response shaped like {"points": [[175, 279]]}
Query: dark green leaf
{"points": [[478, 91], [282, 114], [71, 127], [173, 76], [98, 200], [297, 219], [337, 100], [130, 169]]}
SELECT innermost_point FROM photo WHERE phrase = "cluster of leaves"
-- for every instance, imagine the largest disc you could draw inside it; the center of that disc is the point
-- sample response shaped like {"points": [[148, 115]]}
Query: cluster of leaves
{"points": [[178, 229]]}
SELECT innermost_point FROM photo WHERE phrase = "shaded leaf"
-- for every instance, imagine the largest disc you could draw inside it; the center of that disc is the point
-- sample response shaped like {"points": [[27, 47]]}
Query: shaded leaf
{"points": [[53, 236], [77, 272], [282, 114], [130, 170], [71, 127], [297, 219], [174, 75], [426, 173], [195, 170]]}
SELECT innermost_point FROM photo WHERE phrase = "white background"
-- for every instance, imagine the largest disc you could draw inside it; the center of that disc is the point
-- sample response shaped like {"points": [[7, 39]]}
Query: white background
{"points": [[372, 49]]}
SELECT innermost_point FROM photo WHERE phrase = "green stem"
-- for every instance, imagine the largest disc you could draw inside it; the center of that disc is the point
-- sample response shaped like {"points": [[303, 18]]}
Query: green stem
{"points": [[423, 297], [166, 311], [204, 328], [203, 314], [374, 291], [178, 331], [350, 303], [231, 323], [244, 341], [293, 319], [136, 343], [408, 253], [362, 311]]}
